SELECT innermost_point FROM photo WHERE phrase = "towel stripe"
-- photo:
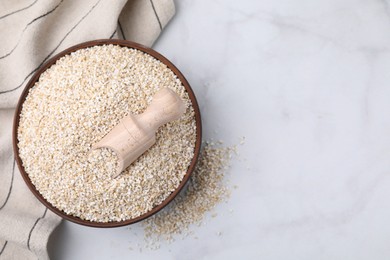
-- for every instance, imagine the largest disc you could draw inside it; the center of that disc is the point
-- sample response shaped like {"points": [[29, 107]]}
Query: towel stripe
{"points": [[112, 35], [120, 27], [47, 57], [158, 18], [17, 11], [33, 227], [10, 90], [25, 28], [2, 249], [10, 187]]}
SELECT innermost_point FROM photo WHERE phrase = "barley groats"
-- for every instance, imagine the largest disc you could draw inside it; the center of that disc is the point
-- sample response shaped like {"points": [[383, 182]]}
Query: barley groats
{"points": [[74, 104]]}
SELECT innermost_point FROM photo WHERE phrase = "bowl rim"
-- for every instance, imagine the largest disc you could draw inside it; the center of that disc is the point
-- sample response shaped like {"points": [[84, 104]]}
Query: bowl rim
{"points": [[122, 43]]}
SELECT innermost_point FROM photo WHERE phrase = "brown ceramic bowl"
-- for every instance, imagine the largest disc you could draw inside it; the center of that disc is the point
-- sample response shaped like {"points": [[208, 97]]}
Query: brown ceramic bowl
{"points": [[52, 61]]}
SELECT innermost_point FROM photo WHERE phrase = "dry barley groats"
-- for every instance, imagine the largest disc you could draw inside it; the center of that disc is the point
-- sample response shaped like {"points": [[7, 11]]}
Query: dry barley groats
{"points": [[75, 103]]}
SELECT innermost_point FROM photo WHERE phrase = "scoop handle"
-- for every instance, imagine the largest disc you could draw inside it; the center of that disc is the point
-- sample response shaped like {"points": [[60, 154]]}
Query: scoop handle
{"points": [[166, 106]]}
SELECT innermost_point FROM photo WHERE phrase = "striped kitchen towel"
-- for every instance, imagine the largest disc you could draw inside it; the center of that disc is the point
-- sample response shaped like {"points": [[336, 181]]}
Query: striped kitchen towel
{"points": [[31, 32]]}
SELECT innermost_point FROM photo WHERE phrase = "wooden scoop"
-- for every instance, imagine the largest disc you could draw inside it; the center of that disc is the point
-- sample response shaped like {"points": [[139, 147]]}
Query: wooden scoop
{"points": [[136, 133]]}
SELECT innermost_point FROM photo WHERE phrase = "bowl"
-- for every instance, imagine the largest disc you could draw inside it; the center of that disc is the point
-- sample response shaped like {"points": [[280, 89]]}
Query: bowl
{"points": [[35, 78]]}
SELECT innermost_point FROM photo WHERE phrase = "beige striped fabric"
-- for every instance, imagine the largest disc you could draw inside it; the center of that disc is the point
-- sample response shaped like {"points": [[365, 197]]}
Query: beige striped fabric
{"points": [[31, 32]]}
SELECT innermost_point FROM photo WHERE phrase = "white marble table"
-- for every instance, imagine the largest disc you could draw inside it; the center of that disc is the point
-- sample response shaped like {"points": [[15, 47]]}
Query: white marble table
{"points": [[308, 84]]}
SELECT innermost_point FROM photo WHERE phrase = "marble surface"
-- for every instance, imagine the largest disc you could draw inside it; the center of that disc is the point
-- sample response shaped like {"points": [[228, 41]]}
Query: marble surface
{"points": [[308, 85]]}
